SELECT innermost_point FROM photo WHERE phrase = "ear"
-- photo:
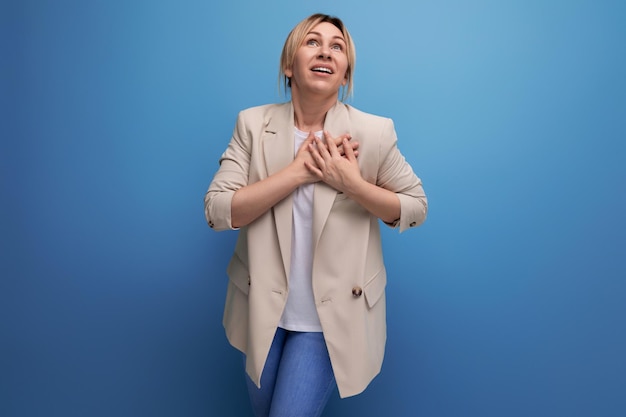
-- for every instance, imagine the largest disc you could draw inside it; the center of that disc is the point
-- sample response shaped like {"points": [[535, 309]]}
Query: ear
{"points": [[288, 72], [345, 80]]}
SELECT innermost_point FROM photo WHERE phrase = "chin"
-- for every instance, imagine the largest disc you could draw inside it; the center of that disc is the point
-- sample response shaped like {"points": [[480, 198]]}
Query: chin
{"points": [[324, 90]]}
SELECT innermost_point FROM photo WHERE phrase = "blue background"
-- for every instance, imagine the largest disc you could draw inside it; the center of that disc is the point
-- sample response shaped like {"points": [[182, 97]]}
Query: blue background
{"points": [[508, 301]]}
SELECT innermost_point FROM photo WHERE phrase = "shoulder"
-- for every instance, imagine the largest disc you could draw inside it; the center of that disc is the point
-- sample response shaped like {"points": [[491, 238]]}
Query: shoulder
{"points": [[361, 115], [252, 118], [367, 120], [263, 111], [368, 125]]}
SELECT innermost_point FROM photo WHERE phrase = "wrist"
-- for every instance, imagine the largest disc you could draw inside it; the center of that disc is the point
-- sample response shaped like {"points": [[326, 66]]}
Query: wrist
{"points": [[356, 188], [296, 174]]}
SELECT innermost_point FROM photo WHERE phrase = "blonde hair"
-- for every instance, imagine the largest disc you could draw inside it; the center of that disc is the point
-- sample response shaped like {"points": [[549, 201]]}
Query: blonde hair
{"points": [[296, 37]]}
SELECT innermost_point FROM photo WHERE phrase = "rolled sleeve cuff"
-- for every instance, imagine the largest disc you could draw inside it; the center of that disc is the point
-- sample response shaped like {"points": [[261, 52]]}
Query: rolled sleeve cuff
{"points": [[218, 211], [412, 212]]}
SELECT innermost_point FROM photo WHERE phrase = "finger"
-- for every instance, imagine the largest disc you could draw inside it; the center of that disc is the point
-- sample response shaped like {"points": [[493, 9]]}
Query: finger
{"points": [[349, 152], [315, 170], [339, 142], [322, 150], [339, 139], [315, 153], [353, 144], [330, 144], [309, 139], [305, 145]]}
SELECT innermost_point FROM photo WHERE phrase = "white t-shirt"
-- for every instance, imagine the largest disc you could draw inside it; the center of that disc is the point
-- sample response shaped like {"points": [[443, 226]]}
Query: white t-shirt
{"points": [[300, 313]]}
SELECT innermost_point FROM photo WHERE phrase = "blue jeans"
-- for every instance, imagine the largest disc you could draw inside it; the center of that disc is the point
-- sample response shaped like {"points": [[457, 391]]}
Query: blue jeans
{"points": [[297, 379]]}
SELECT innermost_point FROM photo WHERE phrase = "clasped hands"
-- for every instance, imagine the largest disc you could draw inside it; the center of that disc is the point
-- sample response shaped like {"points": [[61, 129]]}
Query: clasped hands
{"points": [[332, 160]]}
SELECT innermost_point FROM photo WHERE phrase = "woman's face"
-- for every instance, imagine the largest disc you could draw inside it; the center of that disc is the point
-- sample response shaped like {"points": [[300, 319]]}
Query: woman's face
{"points": [[320, 63]]}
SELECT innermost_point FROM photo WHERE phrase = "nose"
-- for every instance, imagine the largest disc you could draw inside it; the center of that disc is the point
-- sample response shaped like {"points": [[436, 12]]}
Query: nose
{"points": [[324, 52]]}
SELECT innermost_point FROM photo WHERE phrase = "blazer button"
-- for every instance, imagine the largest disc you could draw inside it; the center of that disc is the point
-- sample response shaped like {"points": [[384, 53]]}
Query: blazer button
{"points": [[211, 224], [412, 224], [357, 291]]}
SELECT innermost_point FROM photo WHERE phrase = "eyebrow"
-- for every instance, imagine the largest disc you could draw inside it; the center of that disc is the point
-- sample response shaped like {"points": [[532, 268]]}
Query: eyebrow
{"points": [[319, 34]]}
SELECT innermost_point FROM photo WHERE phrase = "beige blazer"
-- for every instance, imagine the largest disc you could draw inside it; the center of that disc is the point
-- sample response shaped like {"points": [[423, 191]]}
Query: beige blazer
{"points": [[348, 272]]}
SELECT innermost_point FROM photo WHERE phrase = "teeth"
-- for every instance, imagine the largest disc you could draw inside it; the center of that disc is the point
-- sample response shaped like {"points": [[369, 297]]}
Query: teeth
{"points": [[322, 69]]}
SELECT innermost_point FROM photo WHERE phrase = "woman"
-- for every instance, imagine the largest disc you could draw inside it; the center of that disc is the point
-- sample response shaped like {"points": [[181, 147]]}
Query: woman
{"points": [[305, 182]]}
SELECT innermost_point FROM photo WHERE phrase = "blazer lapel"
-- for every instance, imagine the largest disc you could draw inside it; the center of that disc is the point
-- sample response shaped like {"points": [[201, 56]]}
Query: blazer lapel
{"points": [[278, 150], [337, 123]]}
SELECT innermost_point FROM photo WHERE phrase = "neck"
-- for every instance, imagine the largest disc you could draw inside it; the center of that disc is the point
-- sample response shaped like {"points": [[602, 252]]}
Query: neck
{"points": [[310, 112]]}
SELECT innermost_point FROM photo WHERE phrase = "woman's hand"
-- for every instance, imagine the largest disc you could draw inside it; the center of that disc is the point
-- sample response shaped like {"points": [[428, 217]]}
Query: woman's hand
{"points": [[334, 162], [253, 200], [343, 174], [305, 158]]}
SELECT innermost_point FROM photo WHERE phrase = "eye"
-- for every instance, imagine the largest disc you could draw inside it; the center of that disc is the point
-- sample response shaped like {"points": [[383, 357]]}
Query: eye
{"points": [[311, 42], [337, 47]]}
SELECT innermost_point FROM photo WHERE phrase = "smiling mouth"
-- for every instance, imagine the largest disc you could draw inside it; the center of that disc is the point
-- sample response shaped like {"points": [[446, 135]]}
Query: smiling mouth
{"points": [[322, 70]]}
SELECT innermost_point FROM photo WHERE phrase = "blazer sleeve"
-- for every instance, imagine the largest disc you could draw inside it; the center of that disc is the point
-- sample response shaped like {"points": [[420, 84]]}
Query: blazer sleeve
{"points": [[232, 175], [396, 174]]}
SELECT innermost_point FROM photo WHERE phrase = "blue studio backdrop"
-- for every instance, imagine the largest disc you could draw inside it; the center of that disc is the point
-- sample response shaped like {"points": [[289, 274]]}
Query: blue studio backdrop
{"points": [[508, 301]]}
